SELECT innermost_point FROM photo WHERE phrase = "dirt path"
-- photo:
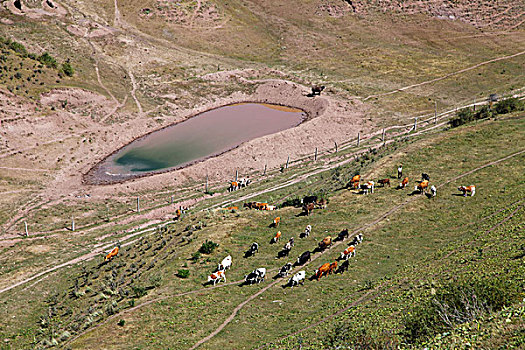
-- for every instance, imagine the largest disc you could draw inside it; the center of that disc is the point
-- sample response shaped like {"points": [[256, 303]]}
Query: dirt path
{"points": [[134, 84], [446, 76], [354, 233]]}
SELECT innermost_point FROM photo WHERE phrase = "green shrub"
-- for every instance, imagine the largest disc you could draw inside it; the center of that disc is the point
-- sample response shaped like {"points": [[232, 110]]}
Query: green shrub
{"points": [[182, 273], [48, 60], [208, 247], [291, 202], [196, 256], [138, 291], [17, 47], [508, 106], [68, 69], [455, 304], [121, 322]]}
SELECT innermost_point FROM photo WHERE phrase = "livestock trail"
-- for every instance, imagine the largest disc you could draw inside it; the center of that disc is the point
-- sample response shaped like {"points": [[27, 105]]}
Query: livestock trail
{"points": [[354, 233], [446, 76]]}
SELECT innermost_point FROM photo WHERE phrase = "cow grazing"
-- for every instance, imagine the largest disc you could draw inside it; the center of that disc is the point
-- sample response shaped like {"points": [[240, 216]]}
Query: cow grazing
{"points": [[112, 254], [243, 182], [333, 267], [275, 238], [285, 270], [384, 182], [306, 232], [425, 177], [276, 222], [234, 186], [225, 264], [399, 171], [422, 186], [254, 248], [357, 239], [344, 266], [343, 234], [433, 190], [404, 183], [256, 276], [322, 271], [325, 243], [354, 182], [303, 258], [309, 199], [368, 187], [297, 278], [217, 277], [286, 249], [321, 204], [271, 207], [308, 208], [250, 205], [348, 253], [261, 206], [316, 89], [471, 189]]}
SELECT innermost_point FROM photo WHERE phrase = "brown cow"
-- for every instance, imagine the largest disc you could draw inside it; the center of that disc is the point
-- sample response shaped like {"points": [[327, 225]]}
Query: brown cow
{"points": [[333, 267], [384, 182], [355, 181], [275, 239], [322, 271], [234, 186], [325, 243], [308, 208], [276, 222], [111, 254], [465, 189], [422, 187], [404, 183], [322, 203]]}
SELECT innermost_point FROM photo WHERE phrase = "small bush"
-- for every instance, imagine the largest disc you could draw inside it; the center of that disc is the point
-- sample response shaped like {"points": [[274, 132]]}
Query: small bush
{"points": [[208, 247], [509, 105], [138, 291], [121, 322], [18, 48], [48, 60], [67, 69], [196, 256], [183, 273], [291, 202]]}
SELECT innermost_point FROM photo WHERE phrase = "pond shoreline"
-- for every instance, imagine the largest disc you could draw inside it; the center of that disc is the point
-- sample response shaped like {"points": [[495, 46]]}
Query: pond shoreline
{"points": [[94, 177]]}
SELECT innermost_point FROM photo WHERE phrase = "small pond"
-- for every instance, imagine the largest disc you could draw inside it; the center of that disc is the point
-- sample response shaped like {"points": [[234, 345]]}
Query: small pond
{"points": [[202, 136]]}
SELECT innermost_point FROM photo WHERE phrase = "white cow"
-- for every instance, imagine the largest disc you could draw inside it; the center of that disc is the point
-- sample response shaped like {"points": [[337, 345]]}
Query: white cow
{"points": [[433, 190], [225, 264], [297, 278]]}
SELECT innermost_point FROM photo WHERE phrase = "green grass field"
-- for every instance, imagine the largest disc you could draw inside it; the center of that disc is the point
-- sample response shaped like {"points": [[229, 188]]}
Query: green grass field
{"points": [[421, 245]]}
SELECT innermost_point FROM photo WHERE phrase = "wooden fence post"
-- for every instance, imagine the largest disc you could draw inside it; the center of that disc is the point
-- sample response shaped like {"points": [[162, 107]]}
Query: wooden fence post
{"points": [[335, 143], [287, 161], [265, 166], [236, 175], [415, 124], [72, 224], [435, 112], [206, 186], [27, 232], [138, 204], [315, 156], [383, 136], [358, 138]]}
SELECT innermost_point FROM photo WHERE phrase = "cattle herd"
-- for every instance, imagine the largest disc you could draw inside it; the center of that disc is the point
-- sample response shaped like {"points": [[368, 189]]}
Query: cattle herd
{"points": [[309, 203]]}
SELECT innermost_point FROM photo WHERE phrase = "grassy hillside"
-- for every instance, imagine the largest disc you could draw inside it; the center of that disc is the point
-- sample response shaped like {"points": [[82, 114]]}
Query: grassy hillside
{"points": [[421, 248]]}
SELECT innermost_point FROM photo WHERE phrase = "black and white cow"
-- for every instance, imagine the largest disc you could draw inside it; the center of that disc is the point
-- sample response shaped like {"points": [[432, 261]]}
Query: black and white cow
{"points": [[285, 270], [256, 276], [297, 278]]}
